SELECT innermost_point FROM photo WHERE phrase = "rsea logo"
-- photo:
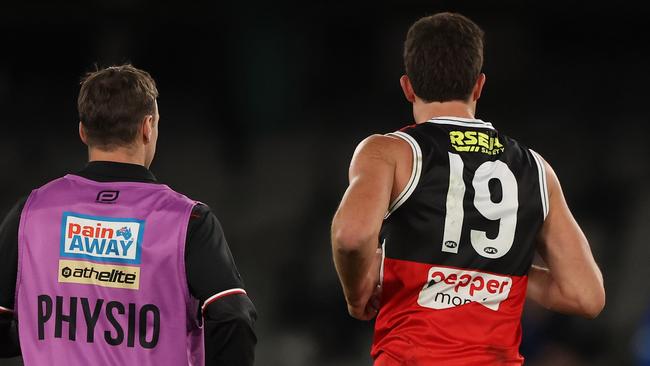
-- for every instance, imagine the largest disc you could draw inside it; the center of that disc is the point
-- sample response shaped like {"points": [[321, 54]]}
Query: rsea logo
{"points": [[475, 141]]}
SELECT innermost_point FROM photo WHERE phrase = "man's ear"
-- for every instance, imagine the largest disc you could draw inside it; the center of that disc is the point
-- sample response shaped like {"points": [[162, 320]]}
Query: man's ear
{"points": [[478, 87], [82, 133], [407, 88], [147, 128]]}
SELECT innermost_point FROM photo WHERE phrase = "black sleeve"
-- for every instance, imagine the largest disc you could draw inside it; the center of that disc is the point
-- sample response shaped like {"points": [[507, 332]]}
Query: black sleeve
{"points": [[228, 327], [9, 346], [228, 321], [8, 271]]}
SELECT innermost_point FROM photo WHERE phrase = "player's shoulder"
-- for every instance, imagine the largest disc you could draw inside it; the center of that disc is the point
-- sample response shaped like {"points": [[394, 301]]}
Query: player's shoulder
{"points": [[203, 215], [522, 152], [200, 211], [379, 142], [173, 196], [382, 145], [53, 184], [45, 190], [203, 223], [427, 132]]}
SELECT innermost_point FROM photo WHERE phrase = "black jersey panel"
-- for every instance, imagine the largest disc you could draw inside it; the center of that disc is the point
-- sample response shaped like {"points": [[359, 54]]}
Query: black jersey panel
{"points": [[507, 176]]}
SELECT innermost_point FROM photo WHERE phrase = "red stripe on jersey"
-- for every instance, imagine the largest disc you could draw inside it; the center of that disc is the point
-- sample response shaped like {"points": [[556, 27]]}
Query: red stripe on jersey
{"points": [[407, 127], [449, 316]]}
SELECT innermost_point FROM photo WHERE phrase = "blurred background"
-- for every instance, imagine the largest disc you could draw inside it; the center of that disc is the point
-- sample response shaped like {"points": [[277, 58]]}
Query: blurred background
{"points": [[263, 103]]}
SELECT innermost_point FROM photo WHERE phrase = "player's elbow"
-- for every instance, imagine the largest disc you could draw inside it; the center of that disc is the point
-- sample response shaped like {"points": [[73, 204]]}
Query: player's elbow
{"points": [[594, 297], [588, 302], [594, 304], [349, 240]]}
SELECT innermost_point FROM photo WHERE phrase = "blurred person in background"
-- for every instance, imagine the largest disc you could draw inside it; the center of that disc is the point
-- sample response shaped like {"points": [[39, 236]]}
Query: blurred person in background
{"points": [[438, 228], [108, 266]]}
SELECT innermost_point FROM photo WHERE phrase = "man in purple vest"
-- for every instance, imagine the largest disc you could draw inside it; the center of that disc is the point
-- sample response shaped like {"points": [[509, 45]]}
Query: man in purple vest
{"points": [[109, 267]]}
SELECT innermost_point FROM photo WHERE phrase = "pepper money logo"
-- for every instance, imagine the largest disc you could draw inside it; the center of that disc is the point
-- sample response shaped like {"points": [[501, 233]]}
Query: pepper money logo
{"points": [[100, 251], [450, 287]]}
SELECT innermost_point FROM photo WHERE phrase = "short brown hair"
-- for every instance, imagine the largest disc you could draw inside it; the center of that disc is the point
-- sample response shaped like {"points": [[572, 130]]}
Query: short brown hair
{"points": [[112, 102], [443, 57]]}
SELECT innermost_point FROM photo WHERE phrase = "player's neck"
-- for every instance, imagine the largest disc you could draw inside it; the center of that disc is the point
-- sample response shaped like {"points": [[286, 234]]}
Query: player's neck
{"points": [[423, 112], [119, 155]]}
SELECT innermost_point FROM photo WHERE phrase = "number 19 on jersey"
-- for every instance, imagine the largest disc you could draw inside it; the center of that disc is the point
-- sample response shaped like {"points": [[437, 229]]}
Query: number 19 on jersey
{"points": [[504, 211]]}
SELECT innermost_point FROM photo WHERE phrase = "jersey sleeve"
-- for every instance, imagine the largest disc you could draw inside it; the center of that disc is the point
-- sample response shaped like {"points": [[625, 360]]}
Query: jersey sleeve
{"points": [[543, 185], [8, 271], [416, 170], [9, 257], [213, 279], [211, 269]]}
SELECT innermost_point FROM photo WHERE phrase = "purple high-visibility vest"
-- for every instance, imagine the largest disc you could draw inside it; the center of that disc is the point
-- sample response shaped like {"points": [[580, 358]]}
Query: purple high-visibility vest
{"points": [[101, 276]]}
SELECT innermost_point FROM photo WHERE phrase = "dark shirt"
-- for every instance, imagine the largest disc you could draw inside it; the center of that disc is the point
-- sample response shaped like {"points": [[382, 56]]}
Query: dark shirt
{"points": [[210, 269]]}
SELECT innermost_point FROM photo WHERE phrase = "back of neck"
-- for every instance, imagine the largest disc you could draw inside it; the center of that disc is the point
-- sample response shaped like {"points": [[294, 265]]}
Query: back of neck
{"points": [[119, 155], [423, 112]]}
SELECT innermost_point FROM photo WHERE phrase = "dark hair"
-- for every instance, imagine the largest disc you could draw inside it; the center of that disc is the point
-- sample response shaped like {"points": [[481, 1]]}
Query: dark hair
{"points": [[443, 57], [112, 102]]}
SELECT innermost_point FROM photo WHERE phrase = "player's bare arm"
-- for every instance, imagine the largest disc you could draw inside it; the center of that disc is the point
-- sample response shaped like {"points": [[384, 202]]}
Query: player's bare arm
{"points": [[375, 177], [572, 283]]}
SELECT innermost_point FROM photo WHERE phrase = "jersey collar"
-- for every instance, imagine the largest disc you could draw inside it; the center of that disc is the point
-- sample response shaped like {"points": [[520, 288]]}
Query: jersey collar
{"points": [[110, 171], [460, 121]]}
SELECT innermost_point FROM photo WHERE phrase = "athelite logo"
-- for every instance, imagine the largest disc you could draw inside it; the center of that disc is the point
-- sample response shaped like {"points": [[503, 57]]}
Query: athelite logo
{"points": [[450, 287], [101, 251]]}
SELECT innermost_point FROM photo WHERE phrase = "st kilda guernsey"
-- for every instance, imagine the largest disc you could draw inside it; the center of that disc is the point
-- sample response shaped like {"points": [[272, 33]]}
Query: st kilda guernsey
{"points": [[458, 243], [101, 277]]}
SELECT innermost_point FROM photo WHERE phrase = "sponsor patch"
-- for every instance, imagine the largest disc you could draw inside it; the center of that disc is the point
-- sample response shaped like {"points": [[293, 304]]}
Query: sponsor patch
{"points": [[105, 275], [100, 251], [475, 141], [449, 287], [104, 239]]}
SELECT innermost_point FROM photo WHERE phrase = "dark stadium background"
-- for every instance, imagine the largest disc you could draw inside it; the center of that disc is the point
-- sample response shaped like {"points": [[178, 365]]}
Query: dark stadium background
{"points": [[263, 103]]}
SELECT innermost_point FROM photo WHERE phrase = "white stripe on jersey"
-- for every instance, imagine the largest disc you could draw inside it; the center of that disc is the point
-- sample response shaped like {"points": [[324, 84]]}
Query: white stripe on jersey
{"points": [[543, 188], [415, 172], [5, 310], [463, 122], [213, 298], [383, 259]]}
